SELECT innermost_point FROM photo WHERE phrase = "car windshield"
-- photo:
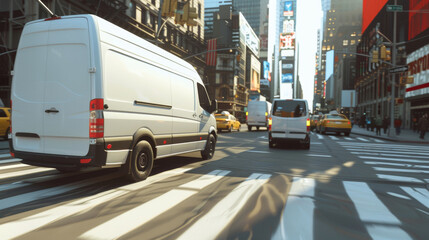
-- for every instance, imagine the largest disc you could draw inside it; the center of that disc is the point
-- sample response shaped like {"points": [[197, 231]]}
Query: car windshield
{"points": [[335, 117], [221, 117]]}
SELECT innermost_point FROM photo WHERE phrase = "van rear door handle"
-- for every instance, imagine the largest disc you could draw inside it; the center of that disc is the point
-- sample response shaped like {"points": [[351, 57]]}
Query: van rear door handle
{"points": [[51, 110]]}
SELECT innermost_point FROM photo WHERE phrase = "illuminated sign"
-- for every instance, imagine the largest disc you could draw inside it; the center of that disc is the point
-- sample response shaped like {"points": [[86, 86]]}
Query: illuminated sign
{"points": [[287, 41], [266, 69], [288, 26], [418, 67], [287, 53], [370, 10], [252, 41], [418, 20], [288, 9], [287, 78], [287, 66]]}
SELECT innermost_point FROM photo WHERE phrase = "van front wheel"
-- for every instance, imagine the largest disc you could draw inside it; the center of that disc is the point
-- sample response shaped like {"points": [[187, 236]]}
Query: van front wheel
{"points": [[141, 162], [209, 150]]}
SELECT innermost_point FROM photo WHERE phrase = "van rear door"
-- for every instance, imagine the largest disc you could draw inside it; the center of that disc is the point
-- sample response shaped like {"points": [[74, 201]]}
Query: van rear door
{"points": [[290, 116], [51, 91]]}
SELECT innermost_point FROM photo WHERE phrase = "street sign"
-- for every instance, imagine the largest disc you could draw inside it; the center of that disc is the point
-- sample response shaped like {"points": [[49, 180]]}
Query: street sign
{"points": [[394, 8], [399, 69]]}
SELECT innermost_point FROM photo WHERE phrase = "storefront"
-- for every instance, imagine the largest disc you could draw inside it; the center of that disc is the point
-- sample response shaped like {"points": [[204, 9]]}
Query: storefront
{"points": [[417, 93]]}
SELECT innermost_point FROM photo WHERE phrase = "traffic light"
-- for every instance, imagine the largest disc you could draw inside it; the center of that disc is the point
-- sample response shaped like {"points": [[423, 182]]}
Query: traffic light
{"points": [[383, 54], [388, 55], [189, 14], [168, 8], [374, 56]]}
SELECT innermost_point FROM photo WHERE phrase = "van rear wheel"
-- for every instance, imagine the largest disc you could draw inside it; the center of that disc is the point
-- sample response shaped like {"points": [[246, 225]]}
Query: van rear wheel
{"points": [[141, 162], [209, 150]]}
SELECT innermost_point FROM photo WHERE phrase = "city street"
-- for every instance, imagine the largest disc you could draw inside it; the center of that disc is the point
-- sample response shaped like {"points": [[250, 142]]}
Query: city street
{"points": [[352, 187]]}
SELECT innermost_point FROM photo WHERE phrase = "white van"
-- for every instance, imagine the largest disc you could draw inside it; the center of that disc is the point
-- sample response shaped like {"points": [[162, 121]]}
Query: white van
{"points": [[257, 114], [88, 93], [290, 121]]}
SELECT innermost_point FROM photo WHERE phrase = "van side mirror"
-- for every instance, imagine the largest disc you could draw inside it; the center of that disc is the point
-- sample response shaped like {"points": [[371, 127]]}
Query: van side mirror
{"points": [[213, 106]]}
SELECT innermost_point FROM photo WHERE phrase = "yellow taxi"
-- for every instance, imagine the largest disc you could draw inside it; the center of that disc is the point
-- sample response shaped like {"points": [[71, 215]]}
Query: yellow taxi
{"points": [[4, 122], [313, 122], [337, 123], [226, 121]]}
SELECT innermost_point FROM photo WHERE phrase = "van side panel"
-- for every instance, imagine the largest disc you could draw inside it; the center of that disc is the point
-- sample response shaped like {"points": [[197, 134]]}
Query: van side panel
{"points": [[256, 113]]}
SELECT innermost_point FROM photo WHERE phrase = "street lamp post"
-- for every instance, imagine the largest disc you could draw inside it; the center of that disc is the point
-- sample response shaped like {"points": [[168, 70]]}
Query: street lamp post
{"points": [[393, 87]]}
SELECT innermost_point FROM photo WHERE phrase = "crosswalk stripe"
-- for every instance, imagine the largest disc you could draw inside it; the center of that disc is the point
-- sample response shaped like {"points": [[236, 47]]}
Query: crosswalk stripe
{"points": [[379, 141], [319, 136], [387, 147], [380, 145], [24, 172], [363, 139], [333, 138], [398, 178], [297, 217], [349, 139], [396, 164], [373, 212], [393, 159], [14, 166], [420, 194], [142, 214], [317, 155], [23, 226], [10, 160], [387, 155], [383, 169], [223, 212], [381, 151]]}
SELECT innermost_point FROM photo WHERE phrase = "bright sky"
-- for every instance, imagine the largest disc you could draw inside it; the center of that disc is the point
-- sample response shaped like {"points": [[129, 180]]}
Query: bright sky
{"points": [[309, 19]]}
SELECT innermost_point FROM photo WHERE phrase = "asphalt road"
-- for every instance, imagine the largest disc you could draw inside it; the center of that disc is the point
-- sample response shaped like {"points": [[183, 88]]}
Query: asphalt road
{"points": [[342, 188]]}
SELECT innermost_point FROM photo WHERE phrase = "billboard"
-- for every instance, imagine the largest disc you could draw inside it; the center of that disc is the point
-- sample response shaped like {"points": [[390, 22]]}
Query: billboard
{"points": [[288, 9], [287, 41], [252, 41], [418, 19], [370, 10], [266, 69], [418, 67], [288, 26], [348, 98], [329, 68], [287, 78]]}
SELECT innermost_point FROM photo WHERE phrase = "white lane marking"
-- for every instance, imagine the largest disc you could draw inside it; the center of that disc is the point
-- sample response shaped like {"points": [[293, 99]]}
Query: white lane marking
{"points": [[315, 143], [393, 159], [5, 155], [371, 210], [25, 172], [363, 139], [25, 225], [388, 155], [399, 178], [379, 141], [211, 224], [333, 138], [254, 151], [317, 155], [382, 169], [395, 164], [349, 139], [14, 166], [381, 151], [297, 217], [10, 160], [420, 194], [427, 180], [319, 136], [398, 195], [142, 214], [263, 137], [377, 145]]}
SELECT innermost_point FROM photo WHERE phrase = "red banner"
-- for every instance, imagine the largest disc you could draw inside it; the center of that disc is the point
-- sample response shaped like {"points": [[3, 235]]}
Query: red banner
{"points": [[211, 52]]}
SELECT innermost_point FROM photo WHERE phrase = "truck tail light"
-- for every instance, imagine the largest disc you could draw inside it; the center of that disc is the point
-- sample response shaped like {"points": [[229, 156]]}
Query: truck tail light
{"points": [[308, 124], [247, 113], [96, 119], [270, 123]]}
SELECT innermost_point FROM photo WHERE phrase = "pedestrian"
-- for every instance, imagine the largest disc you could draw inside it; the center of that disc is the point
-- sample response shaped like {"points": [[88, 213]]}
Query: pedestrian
{"points": [[397, 124], [372, 124], [385, 124], [378, 125], [368, 122], [423, 125]]}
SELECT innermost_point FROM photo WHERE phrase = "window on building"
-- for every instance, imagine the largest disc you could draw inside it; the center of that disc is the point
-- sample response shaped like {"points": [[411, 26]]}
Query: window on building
{"points": [[331, 34], [132, 9], [199, 10], [352, 42], [144, 16], [353, 35], [345, 42], [154, 2]]}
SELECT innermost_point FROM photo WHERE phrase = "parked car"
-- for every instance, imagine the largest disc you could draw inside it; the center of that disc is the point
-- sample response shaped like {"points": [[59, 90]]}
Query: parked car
{"points": [[257, 114], [290, 121], [4, 122], [86, 92], [337, 123], [227, 122]]}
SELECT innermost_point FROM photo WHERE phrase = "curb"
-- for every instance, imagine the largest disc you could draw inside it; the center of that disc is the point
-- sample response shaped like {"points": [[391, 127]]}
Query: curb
{"points": [[389, 139]]}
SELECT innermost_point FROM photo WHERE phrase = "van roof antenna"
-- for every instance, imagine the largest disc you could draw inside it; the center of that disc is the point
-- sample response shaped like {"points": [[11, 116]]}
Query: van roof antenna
{"points": [[47, 9]]}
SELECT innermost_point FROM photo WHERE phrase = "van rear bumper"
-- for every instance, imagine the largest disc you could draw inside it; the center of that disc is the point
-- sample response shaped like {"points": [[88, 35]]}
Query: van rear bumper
{"points": [[96, 153]]}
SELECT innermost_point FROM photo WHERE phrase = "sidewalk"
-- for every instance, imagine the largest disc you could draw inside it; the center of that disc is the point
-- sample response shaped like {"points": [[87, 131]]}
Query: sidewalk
{"points": [[406, 135]]}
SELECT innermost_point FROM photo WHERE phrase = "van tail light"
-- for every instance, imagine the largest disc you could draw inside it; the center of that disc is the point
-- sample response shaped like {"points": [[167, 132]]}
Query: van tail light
{"points": [[52, 18], [270, 123], [10, 126], [308, 124], [247, 113], [96, 119]]}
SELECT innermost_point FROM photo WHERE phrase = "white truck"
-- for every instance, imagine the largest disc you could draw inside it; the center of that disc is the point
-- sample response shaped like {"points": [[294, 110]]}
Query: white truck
{"points": [[289, 122], [88, 93], [257, 114]]}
